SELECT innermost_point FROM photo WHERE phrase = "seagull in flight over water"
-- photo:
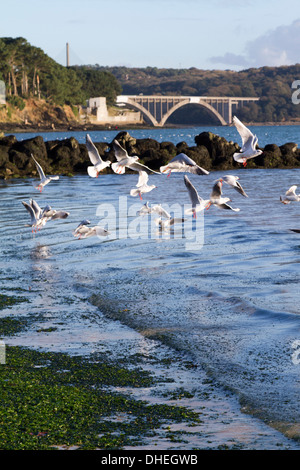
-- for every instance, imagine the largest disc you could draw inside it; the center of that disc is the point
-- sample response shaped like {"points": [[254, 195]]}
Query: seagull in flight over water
{"points": [[96, 160], [142, 185], [44, 179], [249, 142], [217, 200], [125, 161], [233, 181], [290, 196], [183, 164], [198, 204], [83, 231]]}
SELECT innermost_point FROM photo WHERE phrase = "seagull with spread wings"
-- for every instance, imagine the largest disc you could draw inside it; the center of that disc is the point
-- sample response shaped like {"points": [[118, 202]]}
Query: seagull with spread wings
{"points": [[142, 185], [217, 200], [96, 160], [44, 179], [183, 164], [249, 143], [233, 181], [125, 161], [290, 196], [198, 204]]}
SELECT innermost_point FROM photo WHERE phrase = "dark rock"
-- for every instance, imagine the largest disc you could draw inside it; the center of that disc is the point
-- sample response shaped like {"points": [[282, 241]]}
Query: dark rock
{"points": [[68, 156], [4, 155], [35, 146], [19, 159], [182, 147], [200, 155], [220, 150], [288, 148], [169, 147], [8, 140], [271, 157]]}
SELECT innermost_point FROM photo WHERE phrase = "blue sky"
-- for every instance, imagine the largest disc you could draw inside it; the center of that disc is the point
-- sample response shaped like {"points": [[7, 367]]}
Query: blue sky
{"points": [[214, 34]]}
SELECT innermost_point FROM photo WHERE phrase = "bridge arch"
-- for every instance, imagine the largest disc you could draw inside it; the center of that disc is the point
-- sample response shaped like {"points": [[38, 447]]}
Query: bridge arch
{"points": [[188, 101], [136, 106], [157, 109]]}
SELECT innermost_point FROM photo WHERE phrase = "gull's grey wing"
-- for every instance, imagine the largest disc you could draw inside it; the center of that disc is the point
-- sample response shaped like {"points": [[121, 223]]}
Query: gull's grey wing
{"points": [[194, 196], [60, 215], [37, 210], [239, 189], [30, 210], [183, 158], [120, 152], [160, 211], [197, 170], [245, 133], [92, 151], [227, 206], [48, 211], [191, 164], [39, 169], [216, 190], [140, 167], [83, 222], [143, 179], [291, 191]]}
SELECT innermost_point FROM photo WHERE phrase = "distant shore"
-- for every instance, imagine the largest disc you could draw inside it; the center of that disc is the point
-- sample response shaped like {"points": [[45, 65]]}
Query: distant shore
{"points": [[77, 127]]}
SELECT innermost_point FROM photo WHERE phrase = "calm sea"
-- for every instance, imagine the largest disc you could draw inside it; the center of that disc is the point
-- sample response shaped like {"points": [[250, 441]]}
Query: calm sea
{"points": [[266, 134], [221, 290]]}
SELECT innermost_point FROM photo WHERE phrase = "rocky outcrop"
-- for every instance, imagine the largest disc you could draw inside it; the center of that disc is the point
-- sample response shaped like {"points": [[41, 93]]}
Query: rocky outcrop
{"points": [[68, 156]]}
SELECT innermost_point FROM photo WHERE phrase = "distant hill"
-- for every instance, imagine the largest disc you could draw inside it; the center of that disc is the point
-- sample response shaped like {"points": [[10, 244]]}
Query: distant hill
{"points": [[271, 84], [29, 73]]}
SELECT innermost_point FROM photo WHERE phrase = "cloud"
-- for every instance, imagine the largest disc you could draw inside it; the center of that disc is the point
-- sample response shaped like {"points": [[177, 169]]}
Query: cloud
{"points": [[277, 47], [229, 59]]}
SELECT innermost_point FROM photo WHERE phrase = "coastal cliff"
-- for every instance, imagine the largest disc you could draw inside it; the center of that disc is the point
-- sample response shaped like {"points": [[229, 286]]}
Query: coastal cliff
{"points": [[68, 156]]}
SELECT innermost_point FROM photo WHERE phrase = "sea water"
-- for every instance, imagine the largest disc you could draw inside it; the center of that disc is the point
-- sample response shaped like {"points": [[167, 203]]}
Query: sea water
{"points": [[221, 289]]}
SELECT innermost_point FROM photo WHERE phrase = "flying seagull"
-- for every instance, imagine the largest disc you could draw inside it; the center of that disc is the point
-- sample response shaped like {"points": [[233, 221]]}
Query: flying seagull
{"points": [[125, 161], [249, 142], [168, 223], [183, 164], [142, 185], [53, 214], [233, 181], [35, 212], [83, 231], [217, 200], [96, 160], [198, 204], [156, 209], [39, 217], [44, 179], [290, 196]]}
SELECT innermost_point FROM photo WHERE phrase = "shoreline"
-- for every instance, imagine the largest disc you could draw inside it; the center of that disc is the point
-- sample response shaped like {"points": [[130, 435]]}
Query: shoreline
{"points": [[77, 127], [158, 401]]}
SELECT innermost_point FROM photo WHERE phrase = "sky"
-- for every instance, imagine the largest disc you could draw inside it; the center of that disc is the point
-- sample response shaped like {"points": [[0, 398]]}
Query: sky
{"points": [[213, 34]]}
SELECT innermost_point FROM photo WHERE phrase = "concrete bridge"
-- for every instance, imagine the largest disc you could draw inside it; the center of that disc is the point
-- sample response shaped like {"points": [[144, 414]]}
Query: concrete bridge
{"points": [[157, 109]]}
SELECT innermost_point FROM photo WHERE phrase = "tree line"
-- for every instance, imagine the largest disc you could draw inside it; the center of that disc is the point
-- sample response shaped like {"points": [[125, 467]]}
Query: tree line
{"points": [[271, 84], [30, 73]]}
